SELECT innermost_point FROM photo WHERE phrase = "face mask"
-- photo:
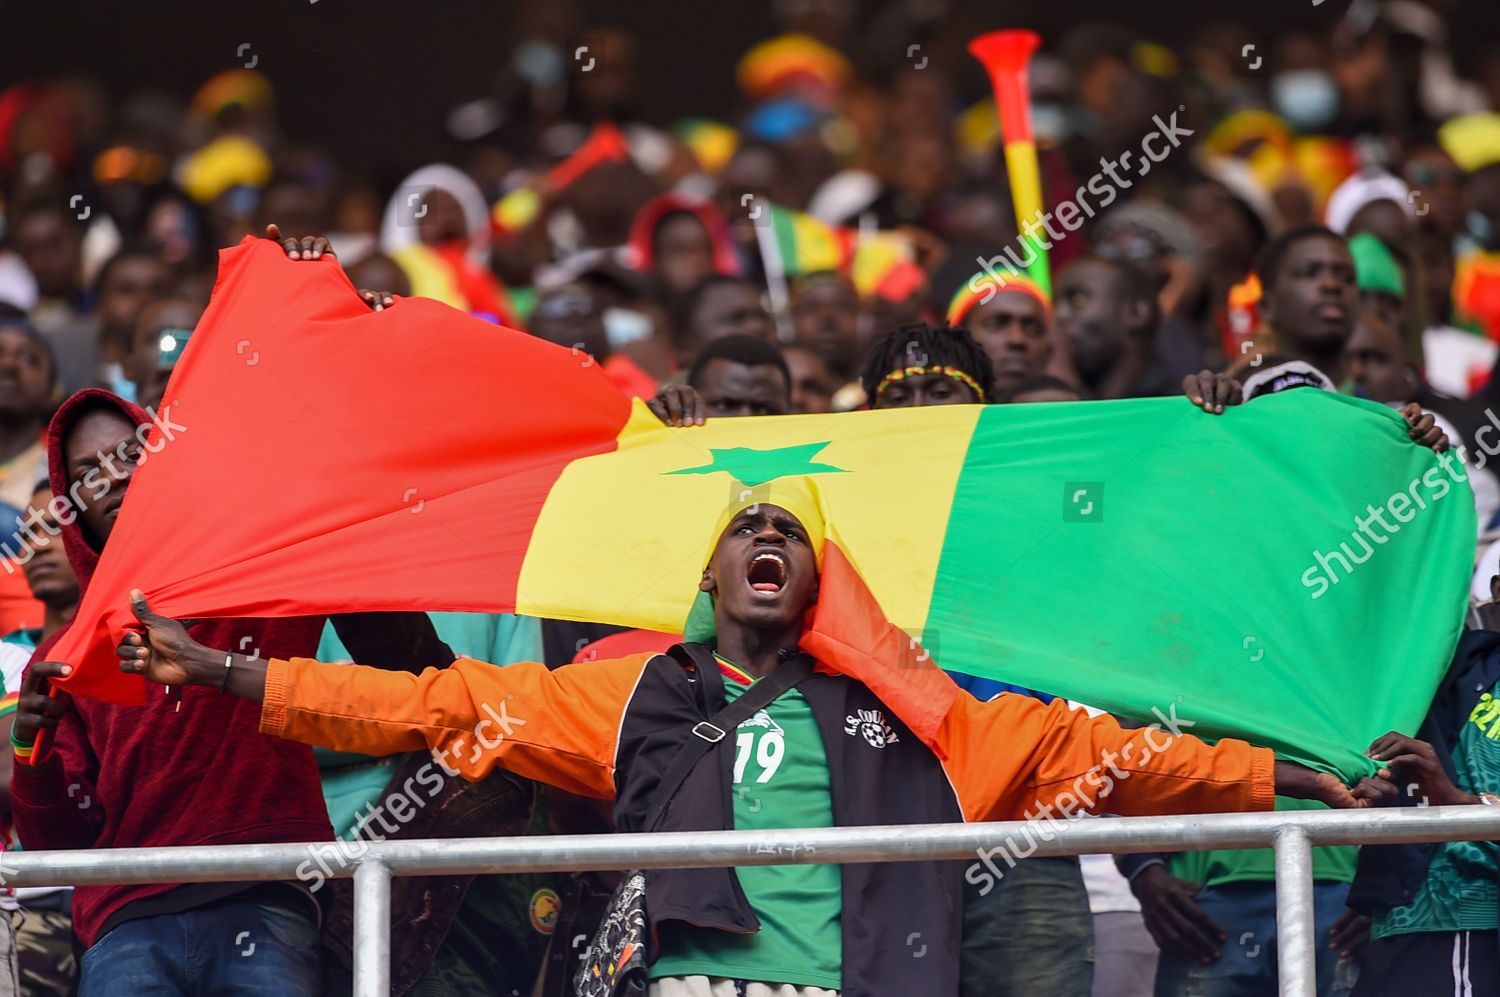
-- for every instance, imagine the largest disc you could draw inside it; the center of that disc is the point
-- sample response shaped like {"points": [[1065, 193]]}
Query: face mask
{"points": [[625, 325], [1480, 228], [1051, 122], [113, 375], [1307, 98], [539, 64]]}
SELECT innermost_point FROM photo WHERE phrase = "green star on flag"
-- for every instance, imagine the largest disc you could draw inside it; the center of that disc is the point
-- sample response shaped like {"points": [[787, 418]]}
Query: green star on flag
{"points": [[754, 467]]}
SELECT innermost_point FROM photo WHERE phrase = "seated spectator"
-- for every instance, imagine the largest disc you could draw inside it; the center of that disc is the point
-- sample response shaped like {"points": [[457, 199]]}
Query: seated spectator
{"points": [[812, 384], [130, 280], [715, 307], [732, 376], [1309, 296], [1377, 364], [679, 240], [437, 229], [1372, 201], [572, 316], [49, 241], [1162, 243], [825, 319], [1380, 275], [1012, 325], [161, 335], [1106, 315]]}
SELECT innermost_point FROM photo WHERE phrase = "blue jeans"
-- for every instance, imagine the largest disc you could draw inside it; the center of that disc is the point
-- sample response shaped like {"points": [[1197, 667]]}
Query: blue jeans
{"points": [[232, 947], [1246, 912], [1030, 935]]}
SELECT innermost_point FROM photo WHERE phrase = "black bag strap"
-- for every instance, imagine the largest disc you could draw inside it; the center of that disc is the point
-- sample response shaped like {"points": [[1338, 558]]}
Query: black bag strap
{"points": [[707, 733]]}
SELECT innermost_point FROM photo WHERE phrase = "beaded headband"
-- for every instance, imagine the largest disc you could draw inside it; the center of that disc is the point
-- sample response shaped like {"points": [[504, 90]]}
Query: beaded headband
{"points": [[962, 377]]}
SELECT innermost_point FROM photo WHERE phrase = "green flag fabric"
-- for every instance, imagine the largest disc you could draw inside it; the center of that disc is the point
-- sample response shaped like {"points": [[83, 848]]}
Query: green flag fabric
{"points": [[1293, 572]]}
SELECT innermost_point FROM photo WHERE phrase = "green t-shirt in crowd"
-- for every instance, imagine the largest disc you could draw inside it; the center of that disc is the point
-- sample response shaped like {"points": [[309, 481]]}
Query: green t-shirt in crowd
{"points": [[1331, 863], [780, 780], [1460, 891]]}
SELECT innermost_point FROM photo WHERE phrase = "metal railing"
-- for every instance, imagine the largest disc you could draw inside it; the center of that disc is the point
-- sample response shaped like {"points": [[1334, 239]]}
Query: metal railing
{"points": [[1291, 833]]}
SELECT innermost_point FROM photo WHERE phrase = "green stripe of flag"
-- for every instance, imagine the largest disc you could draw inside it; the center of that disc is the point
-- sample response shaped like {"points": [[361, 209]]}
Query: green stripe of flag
{"points": [[1134, 574]]}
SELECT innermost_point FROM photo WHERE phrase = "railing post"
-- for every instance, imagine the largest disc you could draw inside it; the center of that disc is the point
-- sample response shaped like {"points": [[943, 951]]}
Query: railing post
{"points": [[372, 930], [1296, 941]]}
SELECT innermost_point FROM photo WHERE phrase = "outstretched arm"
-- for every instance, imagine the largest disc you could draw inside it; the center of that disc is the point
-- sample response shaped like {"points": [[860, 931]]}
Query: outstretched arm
{"points": [[558, 727], [1060, 761]]}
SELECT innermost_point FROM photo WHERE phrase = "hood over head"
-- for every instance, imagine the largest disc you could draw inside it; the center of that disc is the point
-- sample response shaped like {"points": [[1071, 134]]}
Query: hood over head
{"points": [[81, 554], [656, 210]]}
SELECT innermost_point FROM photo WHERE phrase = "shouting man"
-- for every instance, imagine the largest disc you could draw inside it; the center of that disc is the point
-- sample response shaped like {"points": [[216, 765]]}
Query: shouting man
{"points": [[824, 749]]}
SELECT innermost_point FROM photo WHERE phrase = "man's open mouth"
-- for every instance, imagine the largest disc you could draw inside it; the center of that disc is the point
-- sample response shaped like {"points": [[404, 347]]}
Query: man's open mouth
{"points": [[767, 572]]}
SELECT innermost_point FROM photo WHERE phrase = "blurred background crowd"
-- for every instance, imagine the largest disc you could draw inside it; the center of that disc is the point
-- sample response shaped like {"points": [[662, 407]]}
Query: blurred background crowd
{"points": [[764, 210]]}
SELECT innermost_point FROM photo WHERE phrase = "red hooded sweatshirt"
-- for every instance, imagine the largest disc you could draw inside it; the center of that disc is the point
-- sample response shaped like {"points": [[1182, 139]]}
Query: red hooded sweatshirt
{"points": [[130, 776]]}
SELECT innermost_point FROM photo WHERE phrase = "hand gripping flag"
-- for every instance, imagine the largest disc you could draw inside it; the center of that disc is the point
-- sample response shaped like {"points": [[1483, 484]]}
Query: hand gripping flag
{"points": [[1293, 572]]}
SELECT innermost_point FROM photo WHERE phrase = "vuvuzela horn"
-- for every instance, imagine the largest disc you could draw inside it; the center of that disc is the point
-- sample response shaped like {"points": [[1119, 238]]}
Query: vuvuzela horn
{"points": [[1006, 56]]}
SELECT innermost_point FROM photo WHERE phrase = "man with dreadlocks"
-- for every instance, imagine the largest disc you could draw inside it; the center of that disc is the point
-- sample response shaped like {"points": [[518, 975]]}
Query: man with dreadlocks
{"points": [[928, 365], [1031, 932]]}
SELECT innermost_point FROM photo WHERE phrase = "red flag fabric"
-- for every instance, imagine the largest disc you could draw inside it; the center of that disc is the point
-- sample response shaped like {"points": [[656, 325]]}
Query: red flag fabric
{"points": [[416, 431]]}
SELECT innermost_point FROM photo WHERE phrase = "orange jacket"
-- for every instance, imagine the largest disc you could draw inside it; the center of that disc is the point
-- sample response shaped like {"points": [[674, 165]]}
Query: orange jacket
{"points": [[1004, 758]]}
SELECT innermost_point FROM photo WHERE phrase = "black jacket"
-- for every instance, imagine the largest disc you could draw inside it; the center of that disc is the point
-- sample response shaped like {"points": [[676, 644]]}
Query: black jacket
{"points": [[900, 783]]}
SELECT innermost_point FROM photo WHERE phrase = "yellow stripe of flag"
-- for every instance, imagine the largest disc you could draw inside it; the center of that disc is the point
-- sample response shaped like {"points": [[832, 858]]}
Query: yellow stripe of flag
{"points": [[624, 536]]}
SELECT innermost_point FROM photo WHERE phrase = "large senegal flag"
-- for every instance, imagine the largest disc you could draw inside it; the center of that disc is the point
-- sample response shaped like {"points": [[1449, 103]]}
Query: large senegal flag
{"points": [[1293, 571]]}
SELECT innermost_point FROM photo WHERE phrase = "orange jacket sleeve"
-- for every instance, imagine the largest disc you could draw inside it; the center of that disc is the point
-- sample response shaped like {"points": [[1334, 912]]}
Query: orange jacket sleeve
{"points": [[559, 727], [1013, 756]]}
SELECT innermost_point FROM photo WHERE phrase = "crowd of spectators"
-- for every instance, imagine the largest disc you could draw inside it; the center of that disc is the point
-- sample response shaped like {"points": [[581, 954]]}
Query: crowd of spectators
{"points": [[1330, 221]]}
